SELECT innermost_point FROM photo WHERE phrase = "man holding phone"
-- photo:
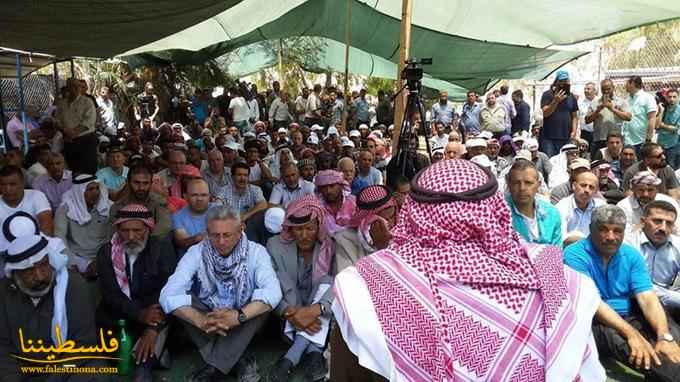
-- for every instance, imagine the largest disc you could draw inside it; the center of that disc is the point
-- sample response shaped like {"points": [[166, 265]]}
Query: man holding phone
{"points": [[607, 114], [560, 119]]}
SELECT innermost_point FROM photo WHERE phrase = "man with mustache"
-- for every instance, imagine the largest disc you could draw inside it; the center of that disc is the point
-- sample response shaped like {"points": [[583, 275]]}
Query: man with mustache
{"points": [[644, 185], [39, 295], [630, 323], [661, 249], [133, 268], [653, 158]]}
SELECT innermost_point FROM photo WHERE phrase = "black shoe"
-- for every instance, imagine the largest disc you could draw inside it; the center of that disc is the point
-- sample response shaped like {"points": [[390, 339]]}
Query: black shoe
{"points": [[246, 370], [314, 366], [281, 370], [207, 373]]}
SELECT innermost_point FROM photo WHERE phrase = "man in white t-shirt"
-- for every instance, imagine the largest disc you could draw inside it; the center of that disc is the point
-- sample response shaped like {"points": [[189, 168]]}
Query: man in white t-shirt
{"points": [[313, 107], [238, 108], [15, 198]]}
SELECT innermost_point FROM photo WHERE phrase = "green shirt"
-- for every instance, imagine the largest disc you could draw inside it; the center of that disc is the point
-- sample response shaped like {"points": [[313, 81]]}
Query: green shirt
{"points": [[635, 130]]}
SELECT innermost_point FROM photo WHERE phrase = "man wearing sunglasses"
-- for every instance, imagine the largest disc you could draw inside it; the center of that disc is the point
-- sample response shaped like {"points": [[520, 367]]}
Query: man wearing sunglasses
{"points": [[653, 159]]}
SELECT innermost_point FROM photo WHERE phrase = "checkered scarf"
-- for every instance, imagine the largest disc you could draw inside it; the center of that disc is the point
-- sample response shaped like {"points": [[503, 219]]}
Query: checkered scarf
{"points": [[450, 245], [309, 205], [223, 281], [127, 213], [370, 201]]}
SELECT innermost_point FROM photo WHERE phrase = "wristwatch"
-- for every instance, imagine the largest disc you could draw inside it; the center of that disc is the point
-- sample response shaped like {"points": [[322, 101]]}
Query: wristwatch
{"points": [[322, 307], [242, 318], [666, 337]]}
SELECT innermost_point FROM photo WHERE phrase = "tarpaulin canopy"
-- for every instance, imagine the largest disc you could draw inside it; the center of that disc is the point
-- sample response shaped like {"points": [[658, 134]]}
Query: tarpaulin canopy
{"points": [[465, 62], [98, 28], [331, 56]]}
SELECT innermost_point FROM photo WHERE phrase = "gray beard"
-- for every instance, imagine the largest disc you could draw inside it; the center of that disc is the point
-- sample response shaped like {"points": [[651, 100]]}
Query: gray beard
{"points": [[134, 248], [33, 293]]}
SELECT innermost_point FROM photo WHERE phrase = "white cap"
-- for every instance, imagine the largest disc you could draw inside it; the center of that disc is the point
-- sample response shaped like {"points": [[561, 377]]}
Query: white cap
{"points": [[316, 127], [231, 145], [475, 142], [482, 160], [332, 131], [354, 133], [282, 130], [363, 126], [346, 142], [485, 135], [523, 154], [313, 139], [273, 219], [249, 134], [531, 144]]}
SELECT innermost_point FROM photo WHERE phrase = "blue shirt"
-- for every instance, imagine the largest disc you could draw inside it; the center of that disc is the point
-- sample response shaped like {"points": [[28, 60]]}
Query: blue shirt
{"points": [[177, 292], [111, 180], [635, 130], [443, 114], [361, 106], [558, 124], [666, 138], [470, 118], [547, 218], [189, 222], [625, 276]]}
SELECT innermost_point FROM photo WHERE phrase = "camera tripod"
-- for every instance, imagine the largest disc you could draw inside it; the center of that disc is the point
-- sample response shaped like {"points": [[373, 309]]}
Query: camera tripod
{"points": [[403, 161]]}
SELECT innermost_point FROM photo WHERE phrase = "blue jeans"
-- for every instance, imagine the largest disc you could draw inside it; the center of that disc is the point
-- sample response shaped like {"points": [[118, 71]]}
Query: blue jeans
{"points": [[551, 147], [673, 156]]}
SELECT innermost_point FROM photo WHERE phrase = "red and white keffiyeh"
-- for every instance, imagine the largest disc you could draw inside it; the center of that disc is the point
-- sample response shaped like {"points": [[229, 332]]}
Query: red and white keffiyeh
{"points": [[370, 202], [335, 220], [127, 213], [459, 297], [301, 211]]}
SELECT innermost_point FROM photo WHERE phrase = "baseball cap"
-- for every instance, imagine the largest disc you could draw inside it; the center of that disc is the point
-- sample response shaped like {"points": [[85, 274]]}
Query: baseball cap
{"points": [[363, 126], [562, 75], [231, 145], [354, 133], [485, 135], [531, 144], [313, 140], [523, 154], [282, 130]]}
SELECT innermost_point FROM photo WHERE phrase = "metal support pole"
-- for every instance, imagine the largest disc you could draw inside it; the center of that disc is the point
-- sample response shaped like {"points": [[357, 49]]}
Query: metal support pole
{"points": [[3, 146], [22, 105], [73, 69], [55, 77]]}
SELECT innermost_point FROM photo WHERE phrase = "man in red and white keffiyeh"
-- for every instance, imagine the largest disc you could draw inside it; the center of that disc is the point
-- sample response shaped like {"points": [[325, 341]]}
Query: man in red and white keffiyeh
{"points": [[333, 193], [458, 296], [132, 270]]}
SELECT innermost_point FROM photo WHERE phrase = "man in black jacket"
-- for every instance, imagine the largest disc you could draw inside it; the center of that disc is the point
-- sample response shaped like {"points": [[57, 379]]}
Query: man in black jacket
{"points": [[133, 268]]}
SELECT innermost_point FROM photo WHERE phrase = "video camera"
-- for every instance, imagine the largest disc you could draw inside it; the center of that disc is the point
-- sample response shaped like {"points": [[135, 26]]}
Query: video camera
{"points": [[413, 72]]}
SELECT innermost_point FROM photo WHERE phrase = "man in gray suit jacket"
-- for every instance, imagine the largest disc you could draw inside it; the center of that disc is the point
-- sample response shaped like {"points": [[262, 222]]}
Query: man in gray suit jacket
{"points": [[302, 257]]}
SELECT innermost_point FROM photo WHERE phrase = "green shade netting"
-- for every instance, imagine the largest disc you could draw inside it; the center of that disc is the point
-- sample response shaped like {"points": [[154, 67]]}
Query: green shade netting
{"points": [[465, 62], [331, 57]]}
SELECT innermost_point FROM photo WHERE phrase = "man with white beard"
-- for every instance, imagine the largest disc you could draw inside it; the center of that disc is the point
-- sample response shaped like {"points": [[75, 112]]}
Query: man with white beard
{"points": [[133, 268]]}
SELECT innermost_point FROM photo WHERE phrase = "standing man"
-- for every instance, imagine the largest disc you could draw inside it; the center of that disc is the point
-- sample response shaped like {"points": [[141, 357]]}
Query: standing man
{"points": [[107, 110], [492, 116], [222, 290], [444, 110], [560, 120], [361, 107], [630, 321], [147, 105], [469, 117], [607, 115], [668, 130], [76, 115], [522, 120], [640, 128], [507, 102], [313, 107], [584, 104]]}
